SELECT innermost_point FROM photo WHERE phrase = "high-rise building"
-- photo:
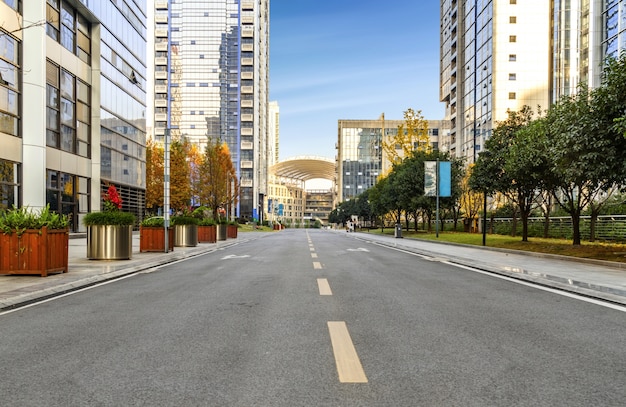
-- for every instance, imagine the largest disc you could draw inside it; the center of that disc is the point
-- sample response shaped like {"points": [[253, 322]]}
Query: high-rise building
{"points": [[211, 82], [495, 58], [585, 33], [72, 104]]}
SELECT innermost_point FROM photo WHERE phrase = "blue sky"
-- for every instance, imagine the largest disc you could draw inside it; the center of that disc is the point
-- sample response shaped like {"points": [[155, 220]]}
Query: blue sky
{"points": [[350, 59]]}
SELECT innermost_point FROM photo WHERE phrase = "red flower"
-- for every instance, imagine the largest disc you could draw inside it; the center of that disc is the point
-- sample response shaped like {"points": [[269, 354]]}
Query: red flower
{"points": [[112, 200]]}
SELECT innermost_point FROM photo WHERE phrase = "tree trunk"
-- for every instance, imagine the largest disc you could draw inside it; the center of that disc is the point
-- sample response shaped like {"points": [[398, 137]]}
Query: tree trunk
{"points": [[576, 228]]}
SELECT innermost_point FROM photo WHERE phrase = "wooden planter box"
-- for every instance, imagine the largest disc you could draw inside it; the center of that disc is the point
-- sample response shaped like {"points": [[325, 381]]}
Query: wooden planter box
{"points": [[153, 239], [34, 252], [232, 231], [207, 234]]}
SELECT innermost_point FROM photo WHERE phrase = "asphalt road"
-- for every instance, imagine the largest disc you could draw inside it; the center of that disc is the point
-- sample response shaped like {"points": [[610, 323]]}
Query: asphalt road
{"points": [[313, 318]]}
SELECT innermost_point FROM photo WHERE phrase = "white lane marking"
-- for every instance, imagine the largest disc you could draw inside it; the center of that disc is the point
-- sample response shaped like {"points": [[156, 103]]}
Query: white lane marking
{"points": [[324, 287], [317, 265], [314, 255], [312, 249], [234, 256], [360, 249], [347, 360]]}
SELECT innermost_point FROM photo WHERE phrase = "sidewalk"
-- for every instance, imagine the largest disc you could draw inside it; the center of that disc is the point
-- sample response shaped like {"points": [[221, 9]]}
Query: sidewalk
{"points": [[20, 289], [592, 278]]}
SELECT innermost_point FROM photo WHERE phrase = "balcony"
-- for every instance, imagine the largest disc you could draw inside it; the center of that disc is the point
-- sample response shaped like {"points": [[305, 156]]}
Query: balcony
{"points": [[247, 145], [247, 61], [247, 117], [160, 117], [160, 18], [160, 75], [247, 131], [246, 164], [160, 5], [160, 32], [161, 46], [247, 32], [247, 47], [247, 5], [247, 19], [247, 103], [160, 89], [160, 103], [160, 61], [246, 183], [247, 89], [247, 75]]}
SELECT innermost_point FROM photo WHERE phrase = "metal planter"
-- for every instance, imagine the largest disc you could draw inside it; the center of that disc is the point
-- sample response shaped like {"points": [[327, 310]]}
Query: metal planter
{"points": [[109, 242]]}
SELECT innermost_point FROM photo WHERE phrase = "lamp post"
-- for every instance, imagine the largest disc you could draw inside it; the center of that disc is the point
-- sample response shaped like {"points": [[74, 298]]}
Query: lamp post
{"points": [[166, 187]]}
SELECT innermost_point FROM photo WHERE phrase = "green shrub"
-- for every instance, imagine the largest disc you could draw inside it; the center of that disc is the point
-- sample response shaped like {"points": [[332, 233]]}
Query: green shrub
{"points": [[20, 219], [153, 222], [115, 218], [184, 220]]}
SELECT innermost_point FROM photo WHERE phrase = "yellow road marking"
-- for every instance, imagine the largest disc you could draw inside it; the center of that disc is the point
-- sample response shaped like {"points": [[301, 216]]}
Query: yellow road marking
{"points": [[348, 364], [324, 287], [317, 265], [314, 255]]}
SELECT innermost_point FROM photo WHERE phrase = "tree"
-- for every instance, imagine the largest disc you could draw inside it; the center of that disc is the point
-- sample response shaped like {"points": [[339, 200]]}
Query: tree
{"points": [[154, 175], [217, 180], [180, 181], [411, 136], [579, 162], [514, 163]]}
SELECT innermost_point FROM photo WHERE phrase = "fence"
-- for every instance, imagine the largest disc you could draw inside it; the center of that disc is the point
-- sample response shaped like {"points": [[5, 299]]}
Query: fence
{"points": [[608, 227]]}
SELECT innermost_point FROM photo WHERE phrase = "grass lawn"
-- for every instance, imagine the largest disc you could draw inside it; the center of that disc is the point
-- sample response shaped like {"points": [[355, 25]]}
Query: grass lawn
{"points": [[597, 250]]}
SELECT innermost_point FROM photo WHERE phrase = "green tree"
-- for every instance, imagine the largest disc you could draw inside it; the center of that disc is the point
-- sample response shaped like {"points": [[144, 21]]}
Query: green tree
{"points": [[180, 181]]}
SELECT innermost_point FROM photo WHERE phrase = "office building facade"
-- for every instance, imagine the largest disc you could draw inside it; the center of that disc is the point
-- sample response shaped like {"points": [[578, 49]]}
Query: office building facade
{"points": [[211, 63], [495, 58], [360, 157], [72, 104]]}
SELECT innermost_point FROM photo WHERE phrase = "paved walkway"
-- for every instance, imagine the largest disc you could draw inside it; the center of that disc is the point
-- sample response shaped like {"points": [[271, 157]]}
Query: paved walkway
{"points": [[597, 279]]}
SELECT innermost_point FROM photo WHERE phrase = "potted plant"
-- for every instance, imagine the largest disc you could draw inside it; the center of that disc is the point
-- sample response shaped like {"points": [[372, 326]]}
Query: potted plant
{"points": [[33, 242], [207, 230], [110, 232], [222, 229], [232, 230], [185, 230], [152, 235]]}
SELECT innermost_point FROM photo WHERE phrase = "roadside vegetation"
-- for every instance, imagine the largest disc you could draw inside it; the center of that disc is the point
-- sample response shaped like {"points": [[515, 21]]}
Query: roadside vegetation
{"points": [[568, 160]]}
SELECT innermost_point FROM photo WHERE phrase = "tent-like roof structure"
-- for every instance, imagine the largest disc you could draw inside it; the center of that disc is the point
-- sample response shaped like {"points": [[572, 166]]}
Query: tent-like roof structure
{"points": [[305, 168]]}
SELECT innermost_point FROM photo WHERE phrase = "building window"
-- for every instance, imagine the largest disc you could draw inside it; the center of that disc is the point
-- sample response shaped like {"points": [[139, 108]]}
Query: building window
{"points": [[512, 1], [513, 20], [68, 194], [10, 187], [512, 57], [9, 95], [68, 114], [512, 76], [70, 29], [512, 38], [512, 95]]}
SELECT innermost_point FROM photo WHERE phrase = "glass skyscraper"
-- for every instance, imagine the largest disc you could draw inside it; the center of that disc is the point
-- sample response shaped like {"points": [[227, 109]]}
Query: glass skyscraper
{"points": [[72, 104], [211, 83]]}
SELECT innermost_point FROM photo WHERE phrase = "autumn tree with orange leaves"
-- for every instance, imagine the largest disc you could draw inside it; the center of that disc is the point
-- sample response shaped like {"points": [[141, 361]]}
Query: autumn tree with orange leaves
{"points": [[154, 175], [217, 179]]}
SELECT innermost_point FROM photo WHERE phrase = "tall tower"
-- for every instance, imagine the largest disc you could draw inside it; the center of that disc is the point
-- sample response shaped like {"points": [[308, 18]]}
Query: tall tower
{"points": [[495, 57], [211, 82]]}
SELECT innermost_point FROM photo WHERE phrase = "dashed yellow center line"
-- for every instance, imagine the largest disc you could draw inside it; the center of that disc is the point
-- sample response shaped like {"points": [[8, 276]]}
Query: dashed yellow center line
{"points": [[349, 366], [314, 255], [317, 265], [324, 287]]}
